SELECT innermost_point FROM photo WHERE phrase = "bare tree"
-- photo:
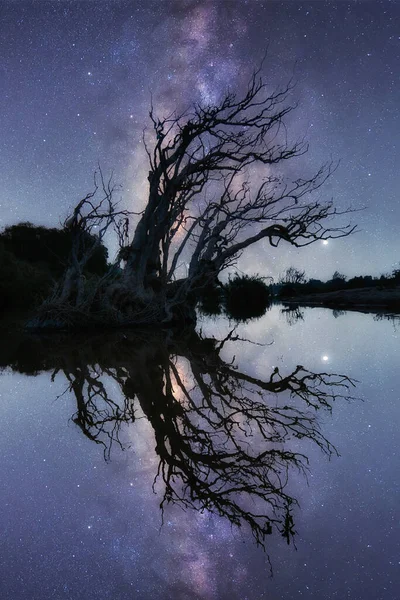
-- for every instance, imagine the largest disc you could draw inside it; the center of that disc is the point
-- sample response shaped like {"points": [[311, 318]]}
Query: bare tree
{"points": [[339, 276], [215, 147], [71, 302], [204, 206], [293, 276], [226, 441]]}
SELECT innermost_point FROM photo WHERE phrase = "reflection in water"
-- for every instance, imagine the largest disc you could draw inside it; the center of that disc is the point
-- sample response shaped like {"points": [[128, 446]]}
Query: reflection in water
{"points": [[392, 318], [293, 314], [225, 441]]}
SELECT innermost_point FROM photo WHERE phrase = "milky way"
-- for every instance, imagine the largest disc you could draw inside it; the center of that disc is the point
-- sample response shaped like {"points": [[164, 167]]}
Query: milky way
{"points": [[77, 79]]}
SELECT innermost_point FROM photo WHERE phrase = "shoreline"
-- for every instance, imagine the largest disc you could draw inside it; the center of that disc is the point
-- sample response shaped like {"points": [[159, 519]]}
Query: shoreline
{"points": [[361, 299]]}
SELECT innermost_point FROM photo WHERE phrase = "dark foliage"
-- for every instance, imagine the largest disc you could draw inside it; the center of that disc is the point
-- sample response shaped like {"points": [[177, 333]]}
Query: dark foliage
{"points": [[396, 276], [313, 286], [288, 290], [211, 300], [33, 258], [22, 284], [338, 282], [246, 297], [290, 282], [51, 246]]}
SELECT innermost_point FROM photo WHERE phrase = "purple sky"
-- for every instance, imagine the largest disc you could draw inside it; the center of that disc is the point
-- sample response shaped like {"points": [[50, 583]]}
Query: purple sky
{"points": [[76, 80]]}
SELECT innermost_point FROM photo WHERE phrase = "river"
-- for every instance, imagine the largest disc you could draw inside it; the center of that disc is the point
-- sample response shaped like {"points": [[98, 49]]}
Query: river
{"points": [[83, 437]]}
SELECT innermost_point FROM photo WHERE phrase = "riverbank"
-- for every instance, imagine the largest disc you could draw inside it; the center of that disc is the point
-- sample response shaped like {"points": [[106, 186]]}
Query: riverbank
{"points": [[363, 299]]}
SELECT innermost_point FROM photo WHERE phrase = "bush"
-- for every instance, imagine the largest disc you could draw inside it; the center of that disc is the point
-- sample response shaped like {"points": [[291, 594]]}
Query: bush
{"points": [[22, 285], [288, 290], [246, 297], [36, 244], [211, 300]]}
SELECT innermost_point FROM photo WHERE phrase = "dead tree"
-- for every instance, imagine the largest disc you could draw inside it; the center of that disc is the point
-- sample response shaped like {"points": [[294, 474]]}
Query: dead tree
{"points": [[206, 206], [72, 302], [201, 205], [293, 276], [223, 438]]}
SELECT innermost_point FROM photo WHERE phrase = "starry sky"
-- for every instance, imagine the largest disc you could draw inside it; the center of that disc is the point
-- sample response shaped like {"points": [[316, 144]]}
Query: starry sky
{"points": [[77, 77]]}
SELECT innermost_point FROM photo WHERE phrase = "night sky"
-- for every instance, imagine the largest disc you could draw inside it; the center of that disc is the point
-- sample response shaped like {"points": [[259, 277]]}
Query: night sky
{"points": [[77, 77]]}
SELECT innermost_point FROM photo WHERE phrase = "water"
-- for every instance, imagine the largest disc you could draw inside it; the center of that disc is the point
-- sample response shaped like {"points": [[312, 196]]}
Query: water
{"points": [[81, 520]]}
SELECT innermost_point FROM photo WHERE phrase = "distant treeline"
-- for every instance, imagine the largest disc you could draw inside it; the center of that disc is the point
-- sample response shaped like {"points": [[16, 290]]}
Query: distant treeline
{"points": [[294, 283], [32, 260]]}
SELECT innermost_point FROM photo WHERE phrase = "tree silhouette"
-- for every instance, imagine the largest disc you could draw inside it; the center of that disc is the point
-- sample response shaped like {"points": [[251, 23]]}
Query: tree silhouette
{"points": [[52, 247], [293, 276], [204, 209], [223, 438]]}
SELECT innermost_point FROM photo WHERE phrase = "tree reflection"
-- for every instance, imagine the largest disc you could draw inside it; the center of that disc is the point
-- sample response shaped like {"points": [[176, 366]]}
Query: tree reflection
{"points": [[293, 314], [226, 440]]}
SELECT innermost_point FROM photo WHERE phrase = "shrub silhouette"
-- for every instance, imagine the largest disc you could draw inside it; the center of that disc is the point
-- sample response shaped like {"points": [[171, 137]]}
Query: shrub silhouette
{"points": [[37, 244], [211, 300], [246, 297], [32, 258], [22, 285], [288, 290]]}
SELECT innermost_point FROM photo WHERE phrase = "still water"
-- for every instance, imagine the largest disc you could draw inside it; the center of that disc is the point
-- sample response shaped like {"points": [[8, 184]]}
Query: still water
{"points": [[234, 439]]}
